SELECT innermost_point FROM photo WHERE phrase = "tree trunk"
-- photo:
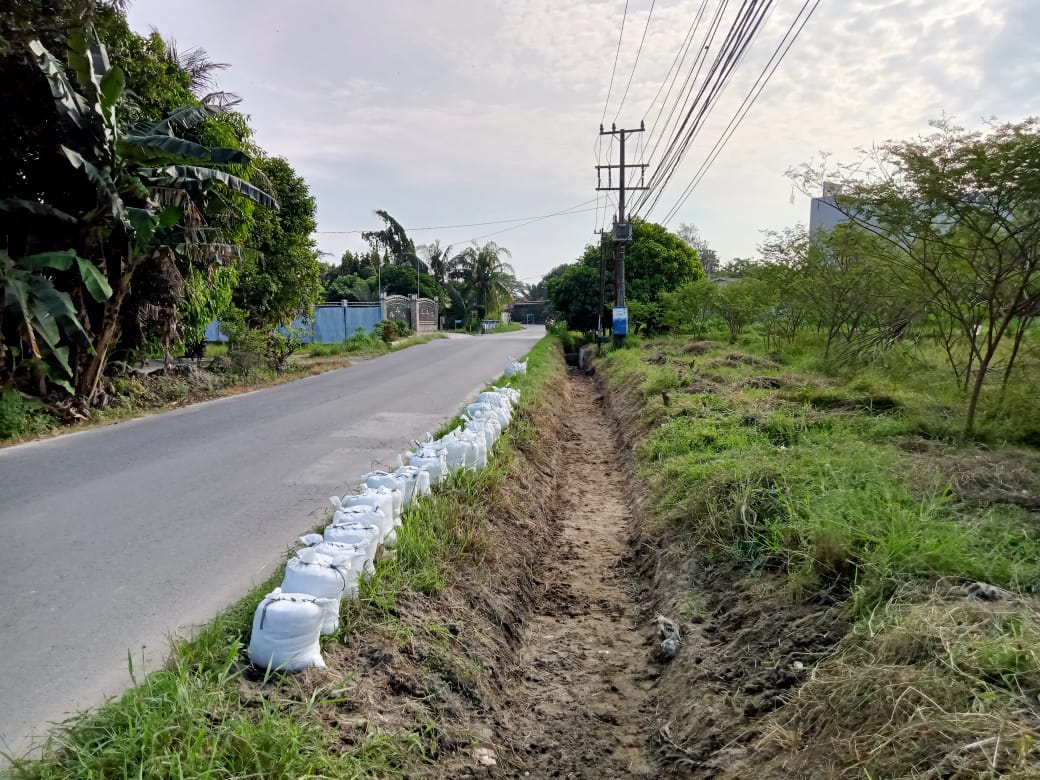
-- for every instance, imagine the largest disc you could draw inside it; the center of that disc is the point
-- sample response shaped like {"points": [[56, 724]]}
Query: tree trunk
{"points": [[1022, 326], [89, 380]]}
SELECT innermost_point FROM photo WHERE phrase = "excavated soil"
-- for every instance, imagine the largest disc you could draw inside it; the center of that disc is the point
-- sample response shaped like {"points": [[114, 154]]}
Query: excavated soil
{"points": [[577, 708]]}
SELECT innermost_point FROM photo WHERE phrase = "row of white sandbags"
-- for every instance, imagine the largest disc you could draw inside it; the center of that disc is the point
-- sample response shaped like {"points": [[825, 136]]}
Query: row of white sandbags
{"points": [[289, 622]]}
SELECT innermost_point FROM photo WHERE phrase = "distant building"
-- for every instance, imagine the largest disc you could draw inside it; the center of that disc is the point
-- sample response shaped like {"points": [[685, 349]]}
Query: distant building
{"points": [[529, 312], [824, 213]]}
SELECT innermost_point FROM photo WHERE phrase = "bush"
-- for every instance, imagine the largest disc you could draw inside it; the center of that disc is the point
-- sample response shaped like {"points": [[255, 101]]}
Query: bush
{"points": [[20, 415]]}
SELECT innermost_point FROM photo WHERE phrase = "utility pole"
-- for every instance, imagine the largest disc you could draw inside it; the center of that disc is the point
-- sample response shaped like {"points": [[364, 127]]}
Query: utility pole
{"points": [[602, 289], [622, 228]]}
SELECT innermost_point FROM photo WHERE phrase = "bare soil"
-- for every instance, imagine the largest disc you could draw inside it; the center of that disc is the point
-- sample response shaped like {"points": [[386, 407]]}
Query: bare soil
{"points": [[577, 708]]}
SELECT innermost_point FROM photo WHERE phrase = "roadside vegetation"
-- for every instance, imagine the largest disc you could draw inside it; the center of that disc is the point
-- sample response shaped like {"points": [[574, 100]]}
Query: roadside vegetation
{"points": [[405, 659], [136, 208], [849, 491], [835, 453]]}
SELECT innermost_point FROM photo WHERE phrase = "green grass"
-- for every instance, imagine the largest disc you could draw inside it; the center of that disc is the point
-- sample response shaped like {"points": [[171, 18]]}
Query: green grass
{"points": [[204, 716], [807, 479], [366, 345], [855, 487]]}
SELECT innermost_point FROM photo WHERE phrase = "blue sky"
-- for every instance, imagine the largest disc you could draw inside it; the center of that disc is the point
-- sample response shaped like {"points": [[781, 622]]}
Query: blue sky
{"points": [[460, 111]]}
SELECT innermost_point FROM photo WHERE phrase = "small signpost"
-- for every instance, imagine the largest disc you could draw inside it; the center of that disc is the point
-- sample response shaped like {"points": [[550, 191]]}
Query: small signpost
{"points": [[620, 320]]}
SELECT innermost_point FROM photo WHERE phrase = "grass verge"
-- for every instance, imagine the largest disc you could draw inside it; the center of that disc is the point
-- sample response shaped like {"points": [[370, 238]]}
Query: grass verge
{"points": [[411, 652], [820, 494]]}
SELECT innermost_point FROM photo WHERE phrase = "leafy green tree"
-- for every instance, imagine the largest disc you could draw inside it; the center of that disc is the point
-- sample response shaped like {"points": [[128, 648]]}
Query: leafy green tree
{"points": [[480, 268], [690, 308], [574, 293], [399, 279], [283, 279], [145, 182], [739, 303], [963, 210]]}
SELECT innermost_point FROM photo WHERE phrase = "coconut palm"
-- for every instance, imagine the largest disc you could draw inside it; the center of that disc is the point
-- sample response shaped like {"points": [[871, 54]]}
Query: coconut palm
{"points": [[482, 270]]}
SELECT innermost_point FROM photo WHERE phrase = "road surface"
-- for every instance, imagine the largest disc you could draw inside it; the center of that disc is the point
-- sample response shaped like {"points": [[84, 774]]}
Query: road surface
{"points": [[116, 538]]}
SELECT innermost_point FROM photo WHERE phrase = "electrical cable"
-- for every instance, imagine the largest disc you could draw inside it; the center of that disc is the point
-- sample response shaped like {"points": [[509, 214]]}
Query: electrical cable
{"points": [[749, 100], [639, 51], [568, 210]]}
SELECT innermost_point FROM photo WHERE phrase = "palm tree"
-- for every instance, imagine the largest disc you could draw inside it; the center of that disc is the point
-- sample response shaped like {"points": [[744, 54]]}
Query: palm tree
{"points": [[482, 269]]}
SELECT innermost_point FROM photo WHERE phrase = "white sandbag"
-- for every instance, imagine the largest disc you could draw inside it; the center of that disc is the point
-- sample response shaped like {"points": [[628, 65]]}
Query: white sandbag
{"points": [[432, 458], [286, 628], [510, 392], [457, 451], [501, 413], [477, 454], [391, 482], [417, 482], [514, 367], [482, 429], [323, 576], [368, 536], [380, 499], [356, 553]]}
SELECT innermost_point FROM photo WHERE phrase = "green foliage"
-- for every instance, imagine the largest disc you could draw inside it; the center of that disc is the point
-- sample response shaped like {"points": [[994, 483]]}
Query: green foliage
{"points": [[739, 303], [690, 307], [963, 219], [283, 280], [574, 294], [207, 297], [816, 494], [18, 414]]}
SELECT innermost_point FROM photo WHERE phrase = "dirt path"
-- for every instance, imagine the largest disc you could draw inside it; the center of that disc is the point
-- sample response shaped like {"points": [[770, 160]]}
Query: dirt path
{"points": [[586, 663]]}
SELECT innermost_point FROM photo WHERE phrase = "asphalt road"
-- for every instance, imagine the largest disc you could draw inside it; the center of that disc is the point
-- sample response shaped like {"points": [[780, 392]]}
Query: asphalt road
{"points": [[116, 538]]}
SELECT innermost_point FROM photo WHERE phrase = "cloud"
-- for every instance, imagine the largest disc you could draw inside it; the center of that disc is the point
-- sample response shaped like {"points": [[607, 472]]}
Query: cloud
{"points": [[456, 111]]}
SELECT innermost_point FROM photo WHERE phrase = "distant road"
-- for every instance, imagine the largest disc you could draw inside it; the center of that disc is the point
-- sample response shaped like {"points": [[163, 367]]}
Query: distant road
{"points": [[117, 537]]}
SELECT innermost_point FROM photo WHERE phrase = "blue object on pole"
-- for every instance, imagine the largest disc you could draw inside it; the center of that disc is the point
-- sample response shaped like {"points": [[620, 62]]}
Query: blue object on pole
{"points": [[620, 320]]}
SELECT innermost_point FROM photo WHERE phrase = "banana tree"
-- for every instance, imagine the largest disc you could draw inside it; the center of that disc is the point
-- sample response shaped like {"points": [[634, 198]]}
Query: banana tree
{"points": [[133, 171]]}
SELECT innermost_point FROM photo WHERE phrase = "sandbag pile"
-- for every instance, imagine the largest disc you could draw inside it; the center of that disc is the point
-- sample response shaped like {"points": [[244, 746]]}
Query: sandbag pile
{"points": [[289, 622]]}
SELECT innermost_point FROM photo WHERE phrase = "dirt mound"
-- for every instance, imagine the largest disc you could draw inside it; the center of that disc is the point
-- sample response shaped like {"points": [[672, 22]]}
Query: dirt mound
{"points": [[739, 360], [700, 347]]}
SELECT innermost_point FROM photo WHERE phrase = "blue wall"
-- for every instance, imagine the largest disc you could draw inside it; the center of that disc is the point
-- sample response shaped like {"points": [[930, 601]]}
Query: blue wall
{"points": [[329, 325]]}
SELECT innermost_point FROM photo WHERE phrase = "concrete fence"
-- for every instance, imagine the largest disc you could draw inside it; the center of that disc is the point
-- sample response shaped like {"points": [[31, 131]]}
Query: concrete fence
{"points": [[330, 323]]}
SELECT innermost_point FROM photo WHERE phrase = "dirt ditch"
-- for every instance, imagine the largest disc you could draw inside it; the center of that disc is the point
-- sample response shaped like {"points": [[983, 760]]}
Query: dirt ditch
{"points": [[544, 659], [577, 708]]}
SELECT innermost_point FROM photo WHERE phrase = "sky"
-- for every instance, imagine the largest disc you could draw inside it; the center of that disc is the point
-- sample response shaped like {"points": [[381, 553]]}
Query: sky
{"points": [[453, 112]]}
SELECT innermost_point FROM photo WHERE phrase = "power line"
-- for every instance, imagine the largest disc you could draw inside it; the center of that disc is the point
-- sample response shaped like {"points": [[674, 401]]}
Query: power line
{"points": [[569, 210], [610, 86], [614, 70], [530, 222], [738, 39], [639, 51], [684, 45], [746, 105]]}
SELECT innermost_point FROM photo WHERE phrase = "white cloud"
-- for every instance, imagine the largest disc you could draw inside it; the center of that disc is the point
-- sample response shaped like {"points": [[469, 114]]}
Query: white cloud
{"points": [[454, 111]]}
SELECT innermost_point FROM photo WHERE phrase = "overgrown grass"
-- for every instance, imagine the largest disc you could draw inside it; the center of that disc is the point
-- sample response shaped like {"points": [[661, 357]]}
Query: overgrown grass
{"points": [[848, 489], [198, 718]]}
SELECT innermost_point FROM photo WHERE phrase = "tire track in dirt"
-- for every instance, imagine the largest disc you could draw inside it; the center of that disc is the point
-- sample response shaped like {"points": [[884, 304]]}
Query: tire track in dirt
{"points": [[576, 710]]}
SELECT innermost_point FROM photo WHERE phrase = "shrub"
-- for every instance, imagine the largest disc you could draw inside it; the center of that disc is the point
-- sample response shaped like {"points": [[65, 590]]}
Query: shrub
{"points": [[14, 413]]}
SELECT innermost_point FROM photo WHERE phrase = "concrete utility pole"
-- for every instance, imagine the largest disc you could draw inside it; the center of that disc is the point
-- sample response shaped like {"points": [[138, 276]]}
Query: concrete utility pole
{"points": [[622, 228]]}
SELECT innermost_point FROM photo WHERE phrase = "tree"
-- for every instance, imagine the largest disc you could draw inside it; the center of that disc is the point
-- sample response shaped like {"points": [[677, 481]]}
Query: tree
{"points": [[392, 239], [656, 262], [139, 205], [574, 293], [739, 303], [482, 269], [282, 278], [400, 279], [963, 210], [708, 257], [689, 309]]}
